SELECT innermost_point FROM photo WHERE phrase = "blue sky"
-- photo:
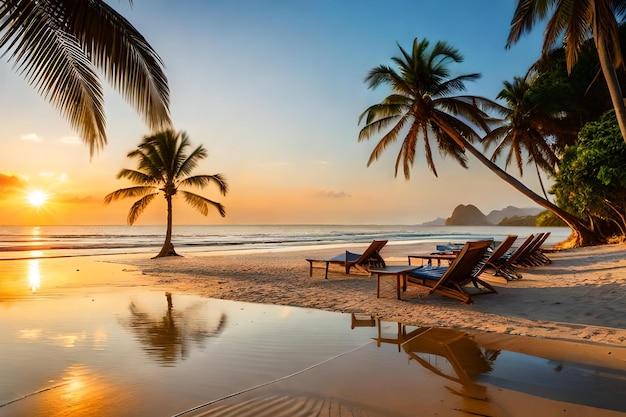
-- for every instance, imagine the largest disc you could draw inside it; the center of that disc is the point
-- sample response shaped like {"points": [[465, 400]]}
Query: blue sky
{"points": [[273, 90]]}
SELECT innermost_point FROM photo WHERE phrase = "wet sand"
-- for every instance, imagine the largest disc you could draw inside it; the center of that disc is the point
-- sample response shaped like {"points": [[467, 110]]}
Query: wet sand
{"points": [[571, 310]]}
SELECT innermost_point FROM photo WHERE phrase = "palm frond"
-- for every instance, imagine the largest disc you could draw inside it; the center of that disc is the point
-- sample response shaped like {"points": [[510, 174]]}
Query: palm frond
{"points": [[57, 44], [128, 193], [128, 61], [201, 181], [202, 204], [137, 177], [526, 14], [53, 61], [387, 139], [191, 162], [138, 207], [407, 151]]}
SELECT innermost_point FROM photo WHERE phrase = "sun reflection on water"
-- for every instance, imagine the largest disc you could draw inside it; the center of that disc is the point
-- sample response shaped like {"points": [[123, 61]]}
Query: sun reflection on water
{"points": [[34, 276]]}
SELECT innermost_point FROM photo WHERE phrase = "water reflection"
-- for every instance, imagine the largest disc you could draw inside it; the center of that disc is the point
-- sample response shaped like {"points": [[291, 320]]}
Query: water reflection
{"points": [[169, 337], [480, 372], [402, 334], [454, 355], [34, 276]]}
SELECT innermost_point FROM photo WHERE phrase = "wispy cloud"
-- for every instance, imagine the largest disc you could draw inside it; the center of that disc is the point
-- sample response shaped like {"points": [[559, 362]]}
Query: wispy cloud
{"points": [[70, 140], [73, 199], [32, 137], [333, 194]]}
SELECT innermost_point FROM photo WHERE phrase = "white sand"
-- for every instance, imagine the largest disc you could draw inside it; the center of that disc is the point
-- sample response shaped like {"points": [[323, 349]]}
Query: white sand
{"points": [[581, 296]]}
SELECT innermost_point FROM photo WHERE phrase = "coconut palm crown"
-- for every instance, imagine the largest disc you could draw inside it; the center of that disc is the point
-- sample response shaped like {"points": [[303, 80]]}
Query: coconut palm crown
{"points": [[422, 104], [532, 118], [572, 22], [164, 167], [58, 44]]}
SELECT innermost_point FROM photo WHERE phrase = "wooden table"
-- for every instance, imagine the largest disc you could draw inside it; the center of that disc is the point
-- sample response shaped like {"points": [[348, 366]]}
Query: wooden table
{"points": [[438, 256], [399, 271]]}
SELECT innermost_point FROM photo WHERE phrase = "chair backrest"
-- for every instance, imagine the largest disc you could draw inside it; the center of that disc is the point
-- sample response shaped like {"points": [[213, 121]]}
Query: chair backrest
{"points": [[521, 250], [502, 248], [372, 251], [498, 252], [461, 269]]}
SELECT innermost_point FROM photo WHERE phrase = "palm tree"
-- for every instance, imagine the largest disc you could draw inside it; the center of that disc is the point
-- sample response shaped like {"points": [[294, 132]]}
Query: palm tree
{"points": [[169, 338], [572, 21], [163, 166], [58, 44], [422, 104], [530, 116]]}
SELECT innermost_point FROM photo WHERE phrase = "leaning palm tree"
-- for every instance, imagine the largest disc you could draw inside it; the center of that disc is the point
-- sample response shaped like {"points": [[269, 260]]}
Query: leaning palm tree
{"points": [[531, 118], [58, 44], [164, 166], [572, 21], [422, 105]]}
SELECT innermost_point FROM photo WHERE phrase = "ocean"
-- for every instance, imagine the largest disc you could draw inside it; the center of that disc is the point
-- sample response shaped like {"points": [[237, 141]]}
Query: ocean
{"points": [[28, 242]]}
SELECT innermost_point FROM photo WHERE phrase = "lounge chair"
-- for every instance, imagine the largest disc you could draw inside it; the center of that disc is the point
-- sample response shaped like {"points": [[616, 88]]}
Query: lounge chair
{"points": [[451, 281], [360, 262], [533, 256], [507, 263], [496, 260]]}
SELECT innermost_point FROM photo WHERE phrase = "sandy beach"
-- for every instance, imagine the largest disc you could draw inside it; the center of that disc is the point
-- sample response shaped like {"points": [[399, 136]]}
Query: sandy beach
{"points": [[557, 332], [580, 296]]}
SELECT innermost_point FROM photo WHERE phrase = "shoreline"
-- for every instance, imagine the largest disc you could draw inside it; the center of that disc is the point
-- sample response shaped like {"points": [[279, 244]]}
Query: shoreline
{"points": [[579, 297]]}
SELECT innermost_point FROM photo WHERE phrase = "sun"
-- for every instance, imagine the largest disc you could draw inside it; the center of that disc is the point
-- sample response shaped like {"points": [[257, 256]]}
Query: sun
{"points": [[37, 198]]}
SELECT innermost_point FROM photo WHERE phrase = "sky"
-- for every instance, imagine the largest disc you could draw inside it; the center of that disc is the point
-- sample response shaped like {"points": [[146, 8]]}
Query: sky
{"points": [[273, 90]]}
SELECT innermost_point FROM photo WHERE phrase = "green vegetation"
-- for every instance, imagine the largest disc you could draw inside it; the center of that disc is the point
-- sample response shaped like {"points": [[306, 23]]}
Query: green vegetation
{"points": [[548, 219], [592, 179], [518, 221], [164, 166]]}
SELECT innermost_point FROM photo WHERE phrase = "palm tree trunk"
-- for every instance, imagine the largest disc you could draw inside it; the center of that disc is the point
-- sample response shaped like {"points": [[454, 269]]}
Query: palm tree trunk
{"points": [[168, 247], [581, 235], [543, 188], [612, 82]]}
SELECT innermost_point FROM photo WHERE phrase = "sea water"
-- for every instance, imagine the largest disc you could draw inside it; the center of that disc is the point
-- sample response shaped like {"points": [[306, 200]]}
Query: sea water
{"points": [[24, 242]]}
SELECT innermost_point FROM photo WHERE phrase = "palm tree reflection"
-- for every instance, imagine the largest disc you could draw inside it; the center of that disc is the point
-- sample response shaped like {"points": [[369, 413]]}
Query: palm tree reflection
{"points": [[169, 338]]}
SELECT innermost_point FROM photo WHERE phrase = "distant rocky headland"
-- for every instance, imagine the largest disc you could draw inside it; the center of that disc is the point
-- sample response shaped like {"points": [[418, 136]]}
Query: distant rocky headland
{"points": [[470, 215]]}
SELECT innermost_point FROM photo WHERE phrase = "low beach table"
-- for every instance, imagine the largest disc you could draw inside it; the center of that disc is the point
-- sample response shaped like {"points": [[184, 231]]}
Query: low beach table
{"points": [[438, 256], [399, 271]]}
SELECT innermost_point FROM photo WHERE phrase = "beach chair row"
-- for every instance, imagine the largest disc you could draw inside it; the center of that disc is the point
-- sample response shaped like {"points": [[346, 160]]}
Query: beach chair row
{"points": [[453, 280], [506, 259]]}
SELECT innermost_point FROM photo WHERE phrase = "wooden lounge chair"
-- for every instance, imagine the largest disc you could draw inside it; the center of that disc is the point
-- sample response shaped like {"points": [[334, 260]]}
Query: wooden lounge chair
{"points": [[360, 262], [506, 264], [533, 256], [451, 281], [496, 259]]}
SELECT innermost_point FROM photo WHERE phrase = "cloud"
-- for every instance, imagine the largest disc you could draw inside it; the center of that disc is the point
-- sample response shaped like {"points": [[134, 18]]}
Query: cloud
{"points": [[333, 194], [32, 137], [72, 199], [11, 183], [70, 140]]}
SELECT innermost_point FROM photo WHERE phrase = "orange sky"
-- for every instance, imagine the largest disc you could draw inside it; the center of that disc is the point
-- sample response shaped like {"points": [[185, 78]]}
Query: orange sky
{"points": [[274, 95]]}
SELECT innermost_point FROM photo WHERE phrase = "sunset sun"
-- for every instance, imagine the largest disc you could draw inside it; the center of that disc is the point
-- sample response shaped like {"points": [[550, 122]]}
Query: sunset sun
{"points": [[37, 198]]}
